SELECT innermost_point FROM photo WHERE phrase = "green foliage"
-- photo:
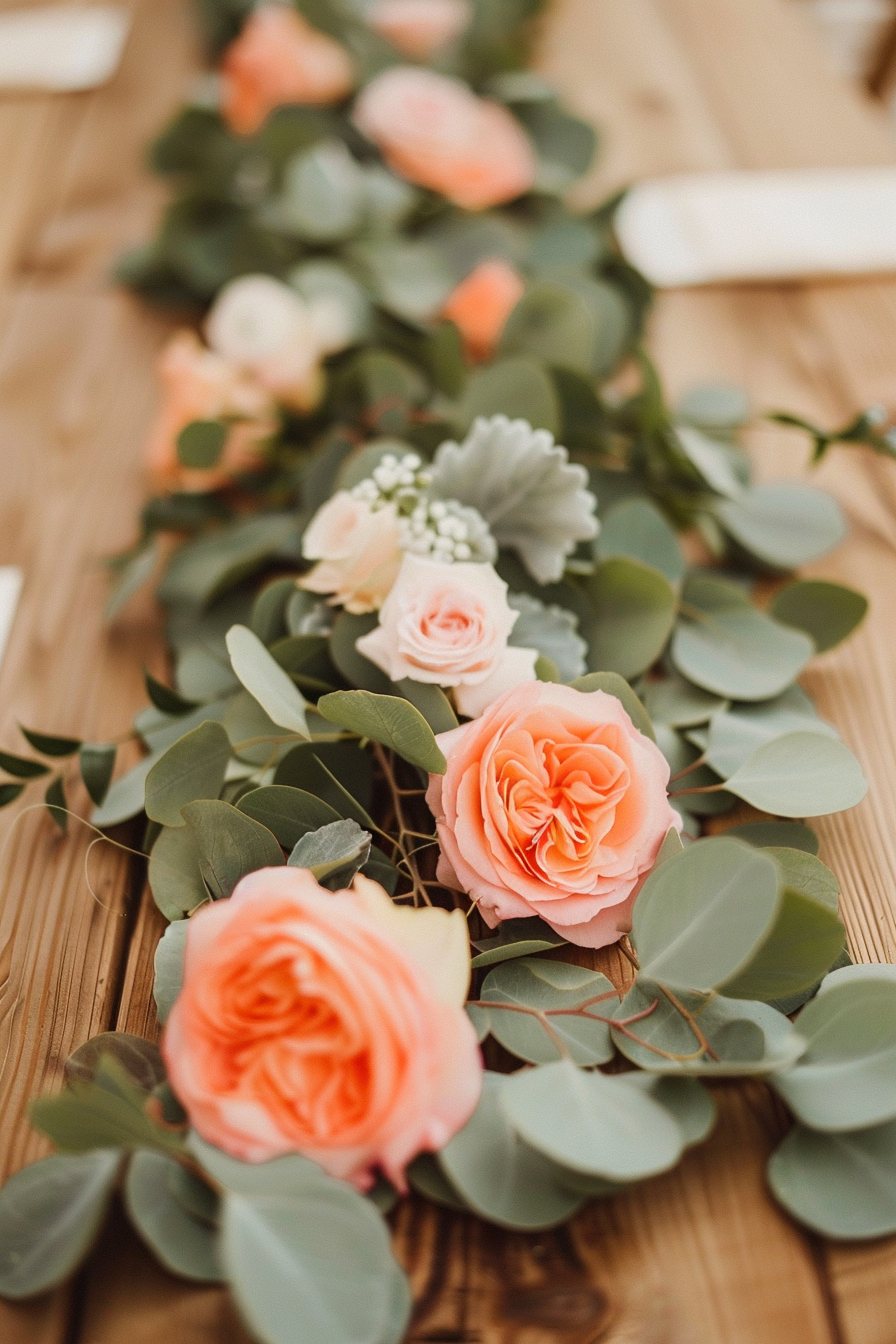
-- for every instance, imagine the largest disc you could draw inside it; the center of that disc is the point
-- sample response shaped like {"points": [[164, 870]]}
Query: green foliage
{"points": [[387, 719], [544, 1010], [192, 768], [229, 845], [333, 853], [287, 812], [635, 528], [516, 938], [169, 967], [108, 1112], [613, 684], [50, 1214], [838, 1184], [264, 679], [784, 524], [140, 1060], [201, 443], [800, 775], [97, 762], [175, 872], [184, 1243], [827, 612], [634, 609]]}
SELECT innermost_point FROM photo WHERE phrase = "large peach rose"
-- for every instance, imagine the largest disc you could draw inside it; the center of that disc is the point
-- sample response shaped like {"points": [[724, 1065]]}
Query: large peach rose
{"points": [[448, 624], [325, 1024], [433, 131], [555, 805], [279, 58], [419, 28], [198, 384], [357, 548], [481, 304]]}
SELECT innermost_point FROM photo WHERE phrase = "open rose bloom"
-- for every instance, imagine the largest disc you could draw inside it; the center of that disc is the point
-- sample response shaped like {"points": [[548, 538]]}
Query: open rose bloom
{"points": [[555, 805], [326, 1024], [279, 58], [434, 131], [419, 28]]}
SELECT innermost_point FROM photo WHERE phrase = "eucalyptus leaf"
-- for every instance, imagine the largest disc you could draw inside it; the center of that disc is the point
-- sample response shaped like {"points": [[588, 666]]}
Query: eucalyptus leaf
{"points": [[21, 767], [263, 678], [169, 966], [192, 768], [724, 645], [550, 629], [519, 388], [546, 987], [711, 459], [358, 671], [786, 834], [387, 719], [784, 523], [288, 813], [432, 702], [591, 1123], [140, 1060], [634, 609], [714, 406], [842, 1185], [334, 853], [268, 620], [175, 873], [499, 1176], [201, 443], [202, 569], [339, 773], [51, 744], [185, 1245], [702, 914], [428, 1179], [516, 938], [635, 528], [126, 795], [108, 1112], [679, 703], [50, 1214], [827, 612], [736, 732], [230, 845], [847, 1077], [800, 775], [686, 1099]]}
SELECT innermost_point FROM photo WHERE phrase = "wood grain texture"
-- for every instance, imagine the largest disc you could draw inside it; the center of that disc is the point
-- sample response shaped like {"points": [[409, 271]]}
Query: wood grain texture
{"points": [[702, 1255]]}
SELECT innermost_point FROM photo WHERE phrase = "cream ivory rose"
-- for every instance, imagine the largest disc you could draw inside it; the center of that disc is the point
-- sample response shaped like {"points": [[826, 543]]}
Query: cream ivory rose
{"points": [[448, 624], [279, 58], [327, 1024], [433, 131], [553, 804], [358, 551]]}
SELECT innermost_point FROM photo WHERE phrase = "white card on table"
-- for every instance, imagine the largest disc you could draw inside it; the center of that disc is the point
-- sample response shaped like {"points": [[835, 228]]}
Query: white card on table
{"points": [[60, 47], [11, 578], [705, 228]]}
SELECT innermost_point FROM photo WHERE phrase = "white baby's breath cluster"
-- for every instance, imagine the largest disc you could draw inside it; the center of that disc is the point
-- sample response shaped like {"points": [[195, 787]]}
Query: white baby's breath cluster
{"points": [[440, 529]]}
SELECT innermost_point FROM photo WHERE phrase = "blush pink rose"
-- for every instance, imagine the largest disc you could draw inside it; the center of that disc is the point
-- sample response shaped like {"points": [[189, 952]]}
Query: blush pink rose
{"points": [[325, 1024], [198, 384], [357, 549], [553, 804], [419, 28], [481, 304], [433, 131], [279, 58], [448, 624]]}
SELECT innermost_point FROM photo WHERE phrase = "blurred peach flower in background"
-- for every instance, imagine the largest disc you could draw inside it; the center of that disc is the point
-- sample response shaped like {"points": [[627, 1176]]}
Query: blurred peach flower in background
{"points": [[481, 304], [358, 551], [433, 131], [419, 28], [324, 1023], [553, 804], [279, 58], [198, 384]]}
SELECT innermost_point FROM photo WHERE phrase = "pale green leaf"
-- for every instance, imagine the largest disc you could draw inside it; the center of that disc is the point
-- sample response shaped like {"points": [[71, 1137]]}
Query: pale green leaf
{"points": [[266, 680], [535, 983], [842, 1185], [800, 775], [633, 609], [387, 719], [193, 768], [827, 612], [184, 1244]]}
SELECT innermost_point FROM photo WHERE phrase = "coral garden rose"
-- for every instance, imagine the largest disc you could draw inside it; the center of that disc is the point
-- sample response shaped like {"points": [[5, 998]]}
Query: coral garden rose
{"points": [[327, 1024], [279, 58], [481, 304], [357, 548], [433, 131], [419, 28], [198, 384], [265, 328], [553, 804], [448, 624]]}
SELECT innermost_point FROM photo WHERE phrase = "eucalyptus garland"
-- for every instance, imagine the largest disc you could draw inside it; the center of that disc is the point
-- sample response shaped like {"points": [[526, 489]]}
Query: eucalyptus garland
{"points": [[471, 633]]}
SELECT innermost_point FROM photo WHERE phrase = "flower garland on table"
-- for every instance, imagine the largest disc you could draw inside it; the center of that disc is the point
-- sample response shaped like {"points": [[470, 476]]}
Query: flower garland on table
{"points": [[423, 693]]}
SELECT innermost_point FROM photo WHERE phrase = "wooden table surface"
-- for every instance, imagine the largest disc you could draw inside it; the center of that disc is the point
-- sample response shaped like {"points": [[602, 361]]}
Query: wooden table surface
{"points": [[700, 1256]]}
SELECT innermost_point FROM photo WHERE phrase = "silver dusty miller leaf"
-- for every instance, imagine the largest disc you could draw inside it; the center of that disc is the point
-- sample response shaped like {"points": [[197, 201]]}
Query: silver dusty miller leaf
{"points": [[551, 630], [533, 498]]}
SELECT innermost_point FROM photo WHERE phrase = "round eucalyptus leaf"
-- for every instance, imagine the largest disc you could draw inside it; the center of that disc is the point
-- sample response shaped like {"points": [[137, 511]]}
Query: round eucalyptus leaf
{"points": [[736, 732], [322, 200], [533, 982], [842, 1185], [184, 1244], [679, 703], [552, 323], [591, 1123], [686, 1099], [847, 1077], [701, 915], [358, 671], [868, 970], [175, 872], [266, 680], [169, 966], [634, 609], [827, 612], [723, 644], [499, 1176], [429, 1180], [745, 1038], [140, 1059], [519, 388], [800, 775], [714, 461], [50, 1214], [286, 1259], [789, 834], [784, 523], [192, 768], [714, 406], [636, 528]]}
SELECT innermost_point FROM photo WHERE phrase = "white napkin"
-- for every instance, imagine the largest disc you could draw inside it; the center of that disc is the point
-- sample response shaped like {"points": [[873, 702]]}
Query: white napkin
{"points": [[710, 227], [61, 48], [11, 579]]}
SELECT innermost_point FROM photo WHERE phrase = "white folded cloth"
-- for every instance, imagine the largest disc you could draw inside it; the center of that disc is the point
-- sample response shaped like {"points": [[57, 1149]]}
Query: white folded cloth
{"points": [[11, 579], [701, 228], [62, 48]]}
